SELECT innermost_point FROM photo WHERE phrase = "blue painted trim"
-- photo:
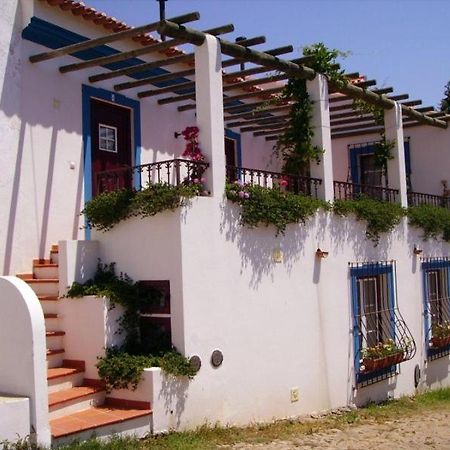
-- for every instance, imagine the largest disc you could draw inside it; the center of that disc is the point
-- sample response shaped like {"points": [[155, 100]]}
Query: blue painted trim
{"points": [[370, 269], [53, 36], [356, 152], [89, 92], [426, 267], [236, 137]]}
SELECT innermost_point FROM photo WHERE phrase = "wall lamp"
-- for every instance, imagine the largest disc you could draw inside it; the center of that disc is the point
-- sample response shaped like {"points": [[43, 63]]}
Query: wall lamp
{"points": [[321, 254], [417, 250], [176, 134]]}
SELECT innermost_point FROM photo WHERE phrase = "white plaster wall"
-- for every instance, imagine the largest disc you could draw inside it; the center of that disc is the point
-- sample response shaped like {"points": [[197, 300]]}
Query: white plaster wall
{"points": [[23, 368], [91, 326], [15, 414], [279, 325]]}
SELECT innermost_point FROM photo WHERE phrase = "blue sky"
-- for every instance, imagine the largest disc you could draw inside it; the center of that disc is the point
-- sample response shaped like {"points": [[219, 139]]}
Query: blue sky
{"points": [[400, 43]]}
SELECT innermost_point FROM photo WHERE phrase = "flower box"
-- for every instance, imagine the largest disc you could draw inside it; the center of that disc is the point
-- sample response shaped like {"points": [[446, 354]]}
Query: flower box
{"points": [[438, 342], [372, 364]]}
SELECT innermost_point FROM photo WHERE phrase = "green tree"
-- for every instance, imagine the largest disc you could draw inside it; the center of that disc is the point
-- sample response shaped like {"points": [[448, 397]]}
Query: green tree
{"points": [[445, 102]]}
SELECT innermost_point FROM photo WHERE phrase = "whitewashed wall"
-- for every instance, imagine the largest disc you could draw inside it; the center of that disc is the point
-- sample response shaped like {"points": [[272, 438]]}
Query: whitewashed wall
{"points": [[279, 325], [429, 154]]}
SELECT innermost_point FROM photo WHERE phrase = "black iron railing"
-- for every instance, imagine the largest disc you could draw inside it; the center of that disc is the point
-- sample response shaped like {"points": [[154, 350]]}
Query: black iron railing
{"points": [[418, 199], [293, 183], [353, 191], [173, 172]]}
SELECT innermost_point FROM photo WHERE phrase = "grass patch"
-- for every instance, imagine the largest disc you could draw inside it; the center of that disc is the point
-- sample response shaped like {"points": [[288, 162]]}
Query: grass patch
{"points": [[210, 437]]}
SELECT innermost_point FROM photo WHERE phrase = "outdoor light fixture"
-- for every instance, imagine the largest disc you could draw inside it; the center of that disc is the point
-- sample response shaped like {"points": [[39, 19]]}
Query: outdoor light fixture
{"points": [[321, 254], [417, 250], [176, 134]]}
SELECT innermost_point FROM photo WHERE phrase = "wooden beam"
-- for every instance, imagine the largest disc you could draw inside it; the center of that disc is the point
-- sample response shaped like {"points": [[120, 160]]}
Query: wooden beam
{"points": [[237, 51], [272, 138], [181, 98], [188, 72], [154, 64], [358, 127], [255, 114], [412, 103], [358, 119], [258, 120], [351, 113], [91, 43], [269, 132], [161, 46], [263, 127], [399, 97]]}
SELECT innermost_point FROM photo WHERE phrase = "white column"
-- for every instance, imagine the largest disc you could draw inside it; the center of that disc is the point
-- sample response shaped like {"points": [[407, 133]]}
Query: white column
{"points": [[208, 92], [318, 93], [396, 170]]}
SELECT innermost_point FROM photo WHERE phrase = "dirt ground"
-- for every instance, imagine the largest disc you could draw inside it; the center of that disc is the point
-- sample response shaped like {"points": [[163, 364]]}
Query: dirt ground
{"points": [[429, 430]]}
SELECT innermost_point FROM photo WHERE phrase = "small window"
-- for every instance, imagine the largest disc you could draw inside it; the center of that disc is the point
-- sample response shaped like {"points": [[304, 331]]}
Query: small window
{"points": [[107, 138], [381, 338], [437, 306]]}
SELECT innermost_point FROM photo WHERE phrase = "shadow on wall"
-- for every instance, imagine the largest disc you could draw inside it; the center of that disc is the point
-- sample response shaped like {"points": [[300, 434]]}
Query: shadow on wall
{"points": [[436, 371], [32, 178], [174, 394], [257, 245], [376, 393]]}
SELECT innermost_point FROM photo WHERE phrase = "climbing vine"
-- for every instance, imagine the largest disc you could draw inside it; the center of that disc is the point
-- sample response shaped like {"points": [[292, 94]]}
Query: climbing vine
{"points": [[294, 147]]}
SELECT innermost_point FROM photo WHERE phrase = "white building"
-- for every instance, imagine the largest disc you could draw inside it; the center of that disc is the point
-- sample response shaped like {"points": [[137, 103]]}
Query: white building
{"points": [[289, 324]]}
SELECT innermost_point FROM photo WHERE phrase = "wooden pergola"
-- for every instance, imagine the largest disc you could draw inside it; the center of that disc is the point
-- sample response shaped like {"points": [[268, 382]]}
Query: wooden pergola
{"points": [[245, 99]]}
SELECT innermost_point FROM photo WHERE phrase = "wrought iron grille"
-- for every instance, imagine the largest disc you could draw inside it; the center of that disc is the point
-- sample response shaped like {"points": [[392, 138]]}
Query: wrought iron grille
{"points": [[437, 306], [418, 199], [293, 183], [381, 337], [173, 172], [352, 191]]}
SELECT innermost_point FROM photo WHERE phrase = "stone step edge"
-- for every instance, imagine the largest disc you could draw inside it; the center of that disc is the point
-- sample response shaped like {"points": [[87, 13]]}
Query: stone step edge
{"points": [[54, 333], [75, 395], [52, 374]]}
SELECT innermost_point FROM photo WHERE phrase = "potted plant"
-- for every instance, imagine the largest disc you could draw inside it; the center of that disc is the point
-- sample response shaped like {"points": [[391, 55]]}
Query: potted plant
{"points": [[440, 334], [381, 355]]}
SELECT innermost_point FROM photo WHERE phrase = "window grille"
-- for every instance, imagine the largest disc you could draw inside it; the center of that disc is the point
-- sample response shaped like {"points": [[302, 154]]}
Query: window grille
{"points": [[436, 273], [381, 337]]}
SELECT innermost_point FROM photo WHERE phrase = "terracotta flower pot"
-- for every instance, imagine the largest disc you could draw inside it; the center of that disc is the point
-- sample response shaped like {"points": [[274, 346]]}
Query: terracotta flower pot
{"points": [[440, 342], [372, 364]]}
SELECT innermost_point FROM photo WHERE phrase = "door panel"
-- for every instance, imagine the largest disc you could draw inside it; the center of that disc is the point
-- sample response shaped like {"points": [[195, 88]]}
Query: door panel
{"points": [[111, 146]]}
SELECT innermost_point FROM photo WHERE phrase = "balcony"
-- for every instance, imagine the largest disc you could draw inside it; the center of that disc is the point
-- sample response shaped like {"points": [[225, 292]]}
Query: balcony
{"points": [[292, 183], [352, 191], [173, 172], [419, 199]]}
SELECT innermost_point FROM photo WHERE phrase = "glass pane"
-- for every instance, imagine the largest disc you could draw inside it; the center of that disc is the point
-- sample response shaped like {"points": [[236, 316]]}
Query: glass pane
{"points": [[102, 131], [110, 133], [111, 146]]}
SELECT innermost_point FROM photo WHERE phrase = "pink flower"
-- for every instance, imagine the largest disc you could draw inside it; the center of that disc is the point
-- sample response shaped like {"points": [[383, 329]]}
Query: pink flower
{"points": [[283, 183], [196, 181], [241, 194], [246, 195], [203, 180]]}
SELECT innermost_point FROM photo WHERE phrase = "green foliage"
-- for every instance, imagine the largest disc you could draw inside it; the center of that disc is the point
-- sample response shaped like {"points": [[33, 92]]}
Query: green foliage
{"points": [[445, 102], [109, 208], [380, 216], [440, 330], [272, 206], [381, 350], [433, 220], [121, 290], [122, 370], [294, 147]]}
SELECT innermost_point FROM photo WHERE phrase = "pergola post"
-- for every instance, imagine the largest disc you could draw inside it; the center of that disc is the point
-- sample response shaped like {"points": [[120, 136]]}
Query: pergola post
{"points": [[208, 94], [396, 166], [318, 93]]}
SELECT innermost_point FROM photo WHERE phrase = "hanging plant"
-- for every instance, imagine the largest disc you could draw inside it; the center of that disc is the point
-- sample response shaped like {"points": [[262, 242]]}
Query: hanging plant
{"points": [[192, 149], [295, 147], [383, 147]]}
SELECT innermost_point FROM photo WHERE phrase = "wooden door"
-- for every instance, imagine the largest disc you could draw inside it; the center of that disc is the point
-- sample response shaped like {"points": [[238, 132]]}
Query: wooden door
{"points": [[230, 159], [111, 147]]}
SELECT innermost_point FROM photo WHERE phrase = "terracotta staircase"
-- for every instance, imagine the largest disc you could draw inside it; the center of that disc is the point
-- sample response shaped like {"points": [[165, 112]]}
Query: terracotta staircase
{"points": [[78, 407]]}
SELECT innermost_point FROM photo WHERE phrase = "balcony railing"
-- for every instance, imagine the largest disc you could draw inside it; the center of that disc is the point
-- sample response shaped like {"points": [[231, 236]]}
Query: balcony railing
{"points": [[418, 199], [264, 178], [173, 171], [353, 191]]}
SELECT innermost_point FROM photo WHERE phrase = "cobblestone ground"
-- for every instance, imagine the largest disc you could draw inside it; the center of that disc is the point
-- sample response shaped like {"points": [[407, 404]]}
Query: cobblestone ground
{"points": [[430, 430]]}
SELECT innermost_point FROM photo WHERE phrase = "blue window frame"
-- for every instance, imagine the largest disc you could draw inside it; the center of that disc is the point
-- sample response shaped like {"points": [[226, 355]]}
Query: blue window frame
{"points": [[373, 303], [436, 292], [357, 151]]}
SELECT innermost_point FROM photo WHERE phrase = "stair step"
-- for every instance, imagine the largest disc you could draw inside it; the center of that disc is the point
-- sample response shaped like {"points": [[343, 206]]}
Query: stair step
{"points": [[46, 271], [63, 378], [93, 418], [42, 280], [60, 372], [25, 276], [54, 333], [74, 393], [50, 316], [44, 264], [48, 298], [54, 351]]}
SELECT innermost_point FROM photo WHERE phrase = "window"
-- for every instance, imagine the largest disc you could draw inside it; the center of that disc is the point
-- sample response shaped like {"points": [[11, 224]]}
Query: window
{"points": [[381, 338], [107, 138], [437, 306]]}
